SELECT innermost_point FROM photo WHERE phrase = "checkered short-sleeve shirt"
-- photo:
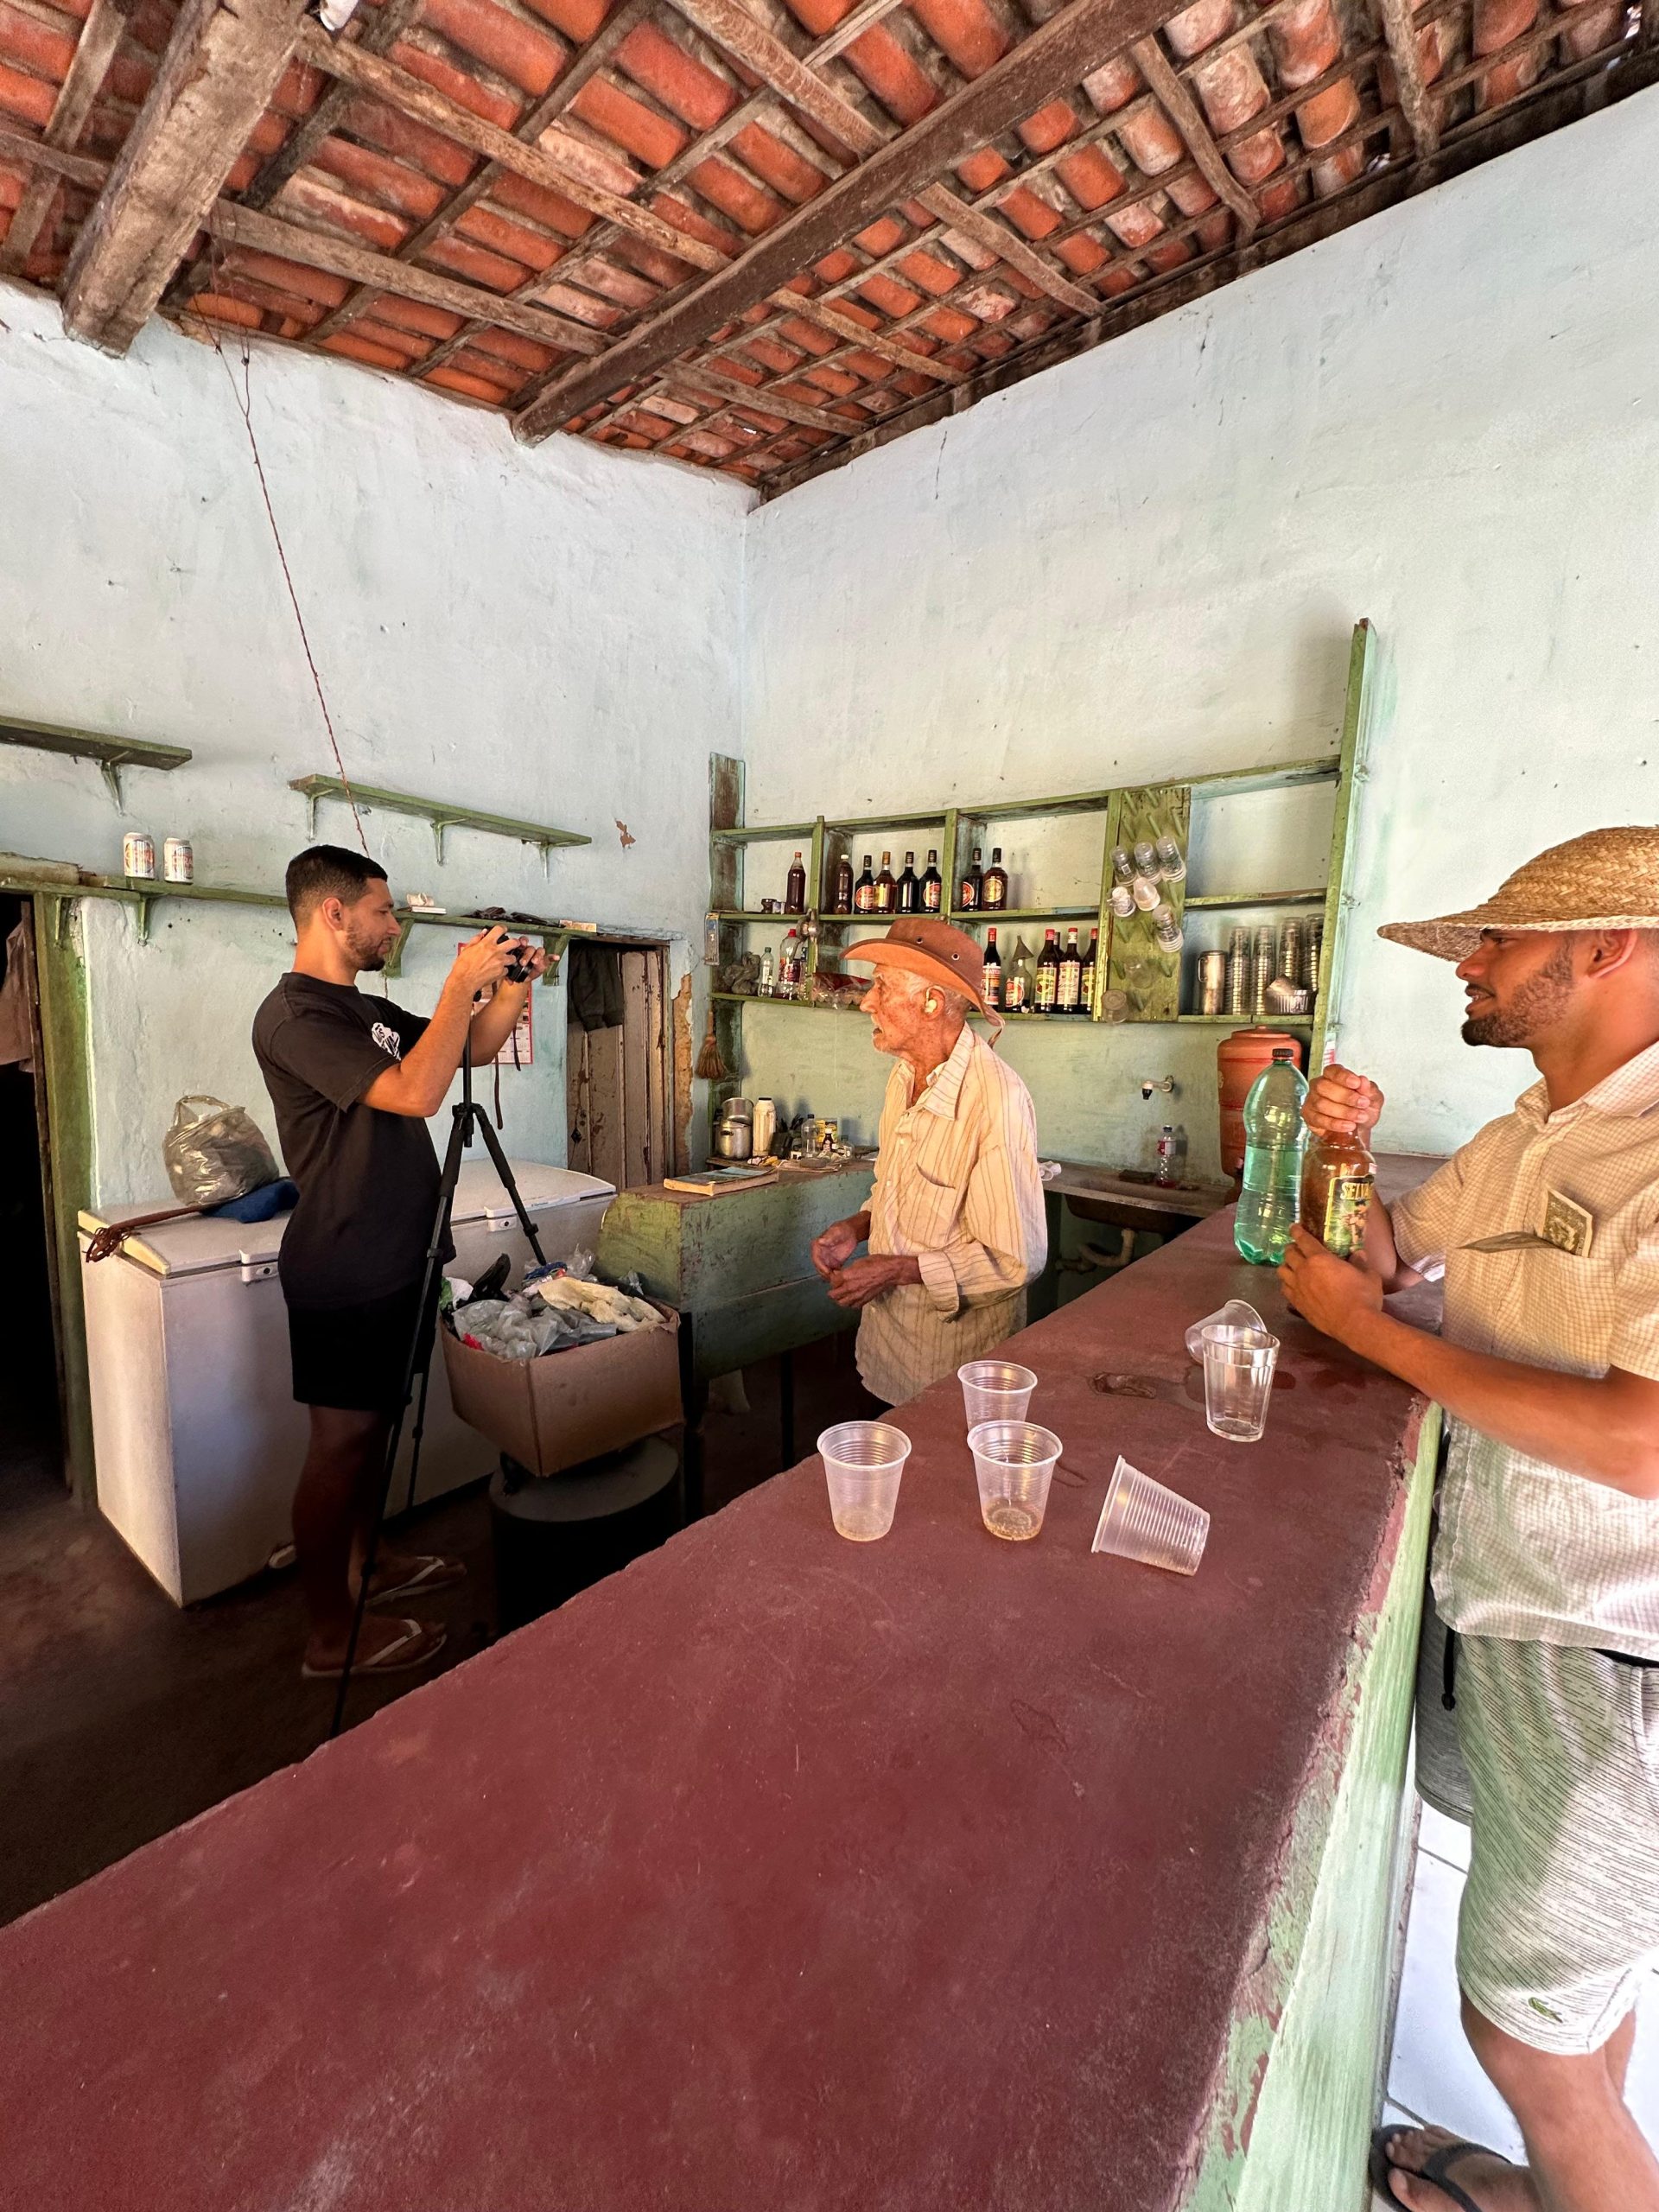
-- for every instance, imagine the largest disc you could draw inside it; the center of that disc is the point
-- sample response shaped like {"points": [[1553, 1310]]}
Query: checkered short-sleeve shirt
{"points": [[1526, 1549]]}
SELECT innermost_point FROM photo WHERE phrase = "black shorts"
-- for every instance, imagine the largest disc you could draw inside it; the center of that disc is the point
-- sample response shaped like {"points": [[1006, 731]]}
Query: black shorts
{"points": [[353, 1356]]}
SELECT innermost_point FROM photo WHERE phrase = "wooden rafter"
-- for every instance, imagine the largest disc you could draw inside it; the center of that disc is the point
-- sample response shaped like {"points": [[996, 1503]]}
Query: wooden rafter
{"points": [[221, 66], [1422, 111], [94, 51], [1065, 49], [391, 19], [1182, 111]]}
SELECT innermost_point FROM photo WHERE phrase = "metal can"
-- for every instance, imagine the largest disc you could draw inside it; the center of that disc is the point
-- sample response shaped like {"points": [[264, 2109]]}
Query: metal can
{"points": [[178, 861], [138, 855], [1212, 983]]}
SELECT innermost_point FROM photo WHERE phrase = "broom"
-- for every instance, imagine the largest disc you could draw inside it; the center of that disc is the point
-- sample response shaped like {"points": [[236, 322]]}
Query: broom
{"points": [[710, 1067]]}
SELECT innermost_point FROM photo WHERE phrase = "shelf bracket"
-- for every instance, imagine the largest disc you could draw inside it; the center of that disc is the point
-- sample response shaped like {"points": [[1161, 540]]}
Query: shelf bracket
{"points": [[438, 825], [143, 901], [394, 966], [311, 798], [110, 772]]}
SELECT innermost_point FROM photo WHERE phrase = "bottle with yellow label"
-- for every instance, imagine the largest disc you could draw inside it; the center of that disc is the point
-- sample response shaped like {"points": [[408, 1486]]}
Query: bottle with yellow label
{"points": [[1337, 1177]]}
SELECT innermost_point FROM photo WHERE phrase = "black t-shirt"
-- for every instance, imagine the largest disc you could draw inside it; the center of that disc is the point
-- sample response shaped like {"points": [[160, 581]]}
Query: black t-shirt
{"points": [[368, 1179]]}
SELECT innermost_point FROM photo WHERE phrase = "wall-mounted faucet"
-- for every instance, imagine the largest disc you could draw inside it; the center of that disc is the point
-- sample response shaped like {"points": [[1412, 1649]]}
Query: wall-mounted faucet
{"points": [[1151, 1083]]}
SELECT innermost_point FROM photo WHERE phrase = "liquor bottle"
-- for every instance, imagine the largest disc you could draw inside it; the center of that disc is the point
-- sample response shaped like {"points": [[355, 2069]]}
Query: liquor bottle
{"points": [[795, 887], [768, 974], [973, 884], [1046, 989], [1086, 986], [1020, 985], [993, 891], [789, 966], [841, 900], [933, 885], [907, 889], [993, 984], [864, 891], [1275, 1134], [1069, 984], [1338, 1174], [885, 886]]}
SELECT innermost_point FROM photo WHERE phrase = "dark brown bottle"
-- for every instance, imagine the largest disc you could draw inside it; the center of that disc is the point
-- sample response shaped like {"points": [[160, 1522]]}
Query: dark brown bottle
{"points": [[795, 887], [1337, 1176], [864, 891], [994, 891], [973, 884], [933, 885], [1070, 984], [909, 891], [1047, 990], [992, 986], [840, 901], [885, 886], [1090, 962]]}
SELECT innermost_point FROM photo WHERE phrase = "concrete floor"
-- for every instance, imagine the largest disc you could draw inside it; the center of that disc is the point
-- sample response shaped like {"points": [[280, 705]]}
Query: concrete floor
{"points": [[121, 1716]]}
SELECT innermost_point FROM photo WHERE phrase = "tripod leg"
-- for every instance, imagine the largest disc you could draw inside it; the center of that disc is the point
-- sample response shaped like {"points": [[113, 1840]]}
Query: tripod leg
{"points": [[493, 1146], [417, 1361]]}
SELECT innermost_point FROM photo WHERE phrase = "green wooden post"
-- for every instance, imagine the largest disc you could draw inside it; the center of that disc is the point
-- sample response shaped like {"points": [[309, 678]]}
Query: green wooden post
{"points": [[66, 1040], [726, 895], [1359, 709]]}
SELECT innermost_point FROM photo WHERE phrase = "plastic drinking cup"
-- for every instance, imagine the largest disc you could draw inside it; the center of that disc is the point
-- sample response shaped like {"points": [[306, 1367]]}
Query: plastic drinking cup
{"points": [[1235, 1315], [1014, 1461], [862, 1462], [995, 1389], [1141, 1520], [1238, 1366]]}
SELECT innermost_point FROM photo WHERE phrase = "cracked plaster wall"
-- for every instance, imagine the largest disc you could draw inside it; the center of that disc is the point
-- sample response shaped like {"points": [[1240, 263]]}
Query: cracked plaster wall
{"points": [[550, 633]]}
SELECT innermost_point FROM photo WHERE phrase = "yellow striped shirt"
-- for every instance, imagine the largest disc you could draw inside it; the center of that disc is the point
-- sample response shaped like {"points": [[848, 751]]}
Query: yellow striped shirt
{"points": [[957, 1184]]}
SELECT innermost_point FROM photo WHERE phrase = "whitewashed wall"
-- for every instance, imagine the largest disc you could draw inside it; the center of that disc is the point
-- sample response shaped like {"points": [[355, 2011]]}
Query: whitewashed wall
{"points": [[1151, 558], [554, 634]]}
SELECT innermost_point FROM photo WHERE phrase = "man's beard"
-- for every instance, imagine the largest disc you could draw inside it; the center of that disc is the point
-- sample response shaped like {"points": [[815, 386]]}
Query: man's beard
{"points": [[369, 952], [1533, 1009]]}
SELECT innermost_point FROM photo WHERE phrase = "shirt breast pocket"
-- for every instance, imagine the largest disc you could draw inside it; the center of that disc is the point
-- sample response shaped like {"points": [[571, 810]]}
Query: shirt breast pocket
{"points": [[927, 1212]]}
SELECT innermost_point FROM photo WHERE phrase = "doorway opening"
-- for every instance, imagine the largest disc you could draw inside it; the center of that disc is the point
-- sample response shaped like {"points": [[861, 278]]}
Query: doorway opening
{"points": [[618, 1081], [33, 1460]]}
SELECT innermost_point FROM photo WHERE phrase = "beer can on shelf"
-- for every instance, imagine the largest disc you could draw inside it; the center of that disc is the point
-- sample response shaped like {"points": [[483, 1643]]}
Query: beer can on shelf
{"points": [[178, 861], [138, 854], [1213, 984]]}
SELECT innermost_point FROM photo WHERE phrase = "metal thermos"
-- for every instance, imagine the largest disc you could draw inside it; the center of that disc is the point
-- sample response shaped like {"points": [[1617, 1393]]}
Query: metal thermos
{"points": [[1212, 983], [765, 1126]]}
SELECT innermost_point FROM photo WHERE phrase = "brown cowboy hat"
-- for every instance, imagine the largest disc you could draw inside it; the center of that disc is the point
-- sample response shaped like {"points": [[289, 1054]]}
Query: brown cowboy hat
{"points": [[923, 945], [1606, 880]]}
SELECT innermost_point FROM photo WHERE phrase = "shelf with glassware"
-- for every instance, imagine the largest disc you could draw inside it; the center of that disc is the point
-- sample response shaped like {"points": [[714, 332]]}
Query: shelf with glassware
{"points": [[1142, 921]]}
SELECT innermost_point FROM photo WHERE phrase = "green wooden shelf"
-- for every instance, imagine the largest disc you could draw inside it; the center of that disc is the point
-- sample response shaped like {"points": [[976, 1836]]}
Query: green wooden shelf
{"points": [[439, 812], [111, 754], [988, 917], [1225, 901]]}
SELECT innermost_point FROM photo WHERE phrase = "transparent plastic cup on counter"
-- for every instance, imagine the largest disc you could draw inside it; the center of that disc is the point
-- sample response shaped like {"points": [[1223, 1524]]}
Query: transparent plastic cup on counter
{"points": [[1143, 1521], [995, 1389], [1235, 1315], [862, 1463], [1238, 1366], [1014, 1461]]}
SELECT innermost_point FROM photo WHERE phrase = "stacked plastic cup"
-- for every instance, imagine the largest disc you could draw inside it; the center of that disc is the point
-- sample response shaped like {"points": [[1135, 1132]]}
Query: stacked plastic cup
{"points": [[862, 1463], [1141, 1520], [995, 1389], [1014, 1462]]}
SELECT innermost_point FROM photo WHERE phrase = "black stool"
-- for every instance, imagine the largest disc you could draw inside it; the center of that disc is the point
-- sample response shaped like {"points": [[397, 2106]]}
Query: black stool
{"points": [[555, 1534]]}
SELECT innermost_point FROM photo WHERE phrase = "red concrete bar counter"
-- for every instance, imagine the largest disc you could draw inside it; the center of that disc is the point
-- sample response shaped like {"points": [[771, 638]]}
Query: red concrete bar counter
{"points": [[781, 1871]]}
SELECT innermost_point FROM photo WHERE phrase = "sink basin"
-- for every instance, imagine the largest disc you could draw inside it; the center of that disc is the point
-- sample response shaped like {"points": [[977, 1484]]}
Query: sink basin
{"points": [[1133, 1198]]}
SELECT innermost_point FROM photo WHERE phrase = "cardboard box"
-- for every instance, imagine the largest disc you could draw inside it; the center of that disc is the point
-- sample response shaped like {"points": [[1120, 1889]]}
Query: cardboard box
{"points": [[554, 1411]]}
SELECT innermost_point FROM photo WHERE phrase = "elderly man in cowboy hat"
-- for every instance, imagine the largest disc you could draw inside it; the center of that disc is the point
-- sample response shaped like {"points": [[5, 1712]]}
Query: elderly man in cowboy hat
{"points": [[954, 1225], [1545, 1228]]}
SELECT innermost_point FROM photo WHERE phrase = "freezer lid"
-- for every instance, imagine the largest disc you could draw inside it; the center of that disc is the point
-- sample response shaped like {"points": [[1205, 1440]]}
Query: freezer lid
{"points": [[481, 1195], [196, 1246]]}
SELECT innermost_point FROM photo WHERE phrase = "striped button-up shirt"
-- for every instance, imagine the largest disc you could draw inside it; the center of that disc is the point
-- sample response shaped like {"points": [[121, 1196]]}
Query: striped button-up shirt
{"points": [[957, 1184], [1526, 1549]]}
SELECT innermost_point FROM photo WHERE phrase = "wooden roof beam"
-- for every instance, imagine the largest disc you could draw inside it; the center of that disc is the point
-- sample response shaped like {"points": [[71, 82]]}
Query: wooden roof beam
{"points": [[1182, 111], [379, 35], [94, 51], [1056, 56], [1422, 110], [215, 80]]}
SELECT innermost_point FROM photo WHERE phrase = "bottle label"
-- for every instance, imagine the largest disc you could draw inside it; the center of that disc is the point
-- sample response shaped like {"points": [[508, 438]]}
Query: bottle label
{"points": [[883, 899], [1346, 1209], [1068, 989], [993, 891], [864, 899], [969, 894], [992, 987], [931, 896], [1047, 989], [1014, 996]]}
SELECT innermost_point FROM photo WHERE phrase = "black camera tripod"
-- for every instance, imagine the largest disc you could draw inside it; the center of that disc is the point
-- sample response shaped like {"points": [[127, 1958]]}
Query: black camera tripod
{"points": [[466, 1115]]}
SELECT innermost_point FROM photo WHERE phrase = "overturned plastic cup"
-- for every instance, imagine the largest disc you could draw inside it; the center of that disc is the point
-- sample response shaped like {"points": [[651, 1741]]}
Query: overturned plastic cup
{"points": [[995, 1389], [862, 1462], [1238, 1366], [1235, 1315], [1014, 1462], [1141, 1520]]}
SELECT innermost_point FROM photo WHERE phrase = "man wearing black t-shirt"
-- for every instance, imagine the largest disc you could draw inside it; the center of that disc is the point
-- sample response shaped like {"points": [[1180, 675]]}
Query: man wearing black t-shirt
{"points": [[353, 1080]]}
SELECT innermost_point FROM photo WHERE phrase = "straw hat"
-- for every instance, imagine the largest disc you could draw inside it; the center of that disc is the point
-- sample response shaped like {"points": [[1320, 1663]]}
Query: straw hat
{"points": [[923, 945], [1606, 880]]}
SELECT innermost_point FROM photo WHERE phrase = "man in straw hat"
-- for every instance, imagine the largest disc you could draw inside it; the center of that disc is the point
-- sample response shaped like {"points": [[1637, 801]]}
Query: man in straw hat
{"points": [[1545, 1228], [954, 1225]]}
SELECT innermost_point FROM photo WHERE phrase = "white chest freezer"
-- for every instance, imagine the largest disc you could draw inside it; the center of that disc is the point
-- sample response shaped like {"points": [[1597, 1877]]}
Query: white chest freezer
{"points": [[198, 1439]]}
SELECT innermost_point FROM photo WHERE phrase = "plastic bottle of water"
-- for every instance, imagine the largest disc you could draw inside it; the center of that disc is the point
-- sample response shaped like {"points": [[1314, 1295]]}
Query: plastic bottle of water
{"points": [[1274, 1135]]}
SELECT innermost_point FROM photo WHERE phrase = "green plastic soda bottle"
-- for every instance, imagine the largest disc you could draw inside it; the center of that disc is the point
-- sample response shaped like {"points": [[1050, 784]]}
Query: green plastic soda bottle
{"points": [[1275, 1134]]}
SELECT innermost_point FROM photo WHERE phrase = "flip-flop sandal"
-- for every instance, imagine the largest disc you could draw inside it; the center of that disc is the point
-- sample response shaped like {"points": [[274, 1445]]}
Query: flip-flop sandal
{"points": [[413, 1648], [430, 1573], [1437, 2172]]}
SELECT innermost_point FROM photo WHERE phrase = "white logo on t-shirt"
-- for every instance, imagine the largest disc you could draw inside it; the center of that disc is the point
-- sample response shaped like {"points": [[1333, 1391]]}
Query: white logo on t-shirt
{"points": [[387, 1038]]}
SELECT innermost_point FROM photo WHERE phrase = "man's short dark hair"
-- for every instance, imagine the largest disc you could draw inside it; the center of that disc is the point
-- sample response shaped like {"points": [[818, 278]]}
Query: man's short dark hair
{"points": [[328, 872]]}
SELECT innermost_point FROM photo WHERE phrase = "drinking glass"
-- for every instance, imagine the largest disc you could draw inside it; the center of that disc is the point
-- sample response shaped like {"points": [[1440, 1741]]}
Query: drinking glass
{"points": [[1238, 1366]]}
